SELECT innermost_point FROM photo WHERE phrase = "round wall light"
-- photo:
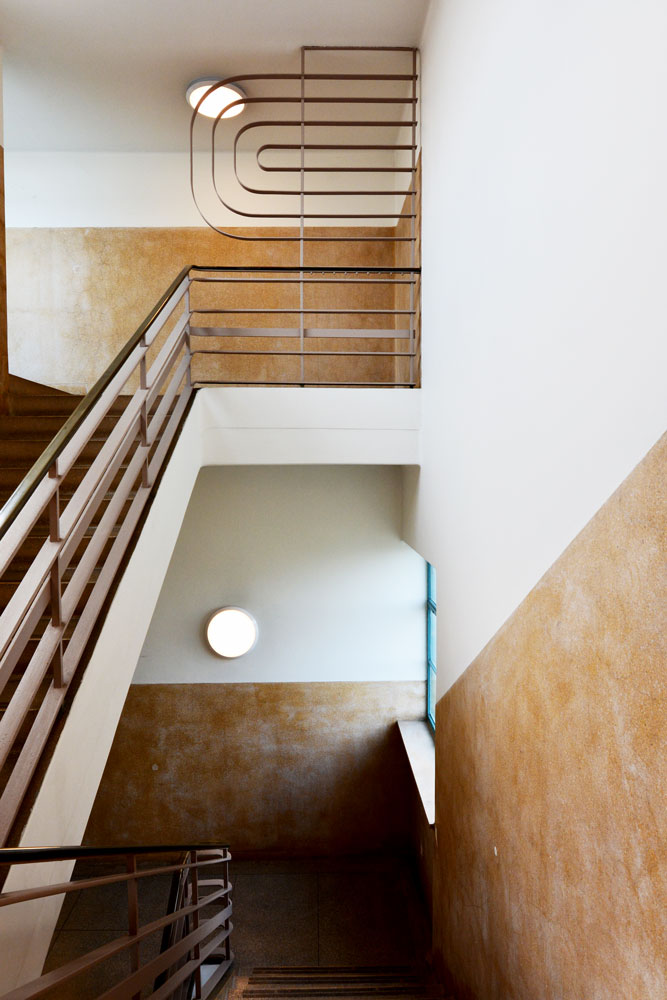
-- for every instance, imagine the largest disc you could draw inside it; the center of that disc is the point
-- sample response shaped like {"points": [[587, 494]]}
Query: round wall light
{"points": [[218, 99], [231, 632]]}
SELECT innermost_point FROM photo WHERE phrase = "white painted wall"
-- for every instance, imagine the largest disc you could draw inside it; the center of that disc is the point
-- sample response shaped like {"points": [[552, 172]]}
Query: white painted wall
{"points": [[84, 189], [315, 554], [301, 426], [544, 293]]}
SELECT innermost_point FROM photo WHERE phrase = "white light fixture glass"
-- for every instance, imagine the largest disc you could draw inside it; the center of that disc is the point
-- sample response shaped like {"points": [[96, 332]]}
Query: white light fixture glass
{"points": [[231, 632], [212, 105]]}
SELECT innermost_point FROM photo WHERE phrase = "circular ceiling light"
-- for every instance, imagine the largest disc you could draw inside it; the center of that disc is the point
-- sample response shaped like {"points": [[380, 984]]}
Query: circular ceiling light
{"points": [[212, 105], [231, 632]]}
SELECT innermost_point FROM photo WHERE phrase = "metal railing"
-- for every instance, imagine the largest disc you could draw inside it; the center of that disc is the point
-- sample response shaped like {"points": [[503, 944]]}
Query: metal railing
{"points": [[192, 938], [367, 98], [65, 531], [305, 326], [66, 528]]}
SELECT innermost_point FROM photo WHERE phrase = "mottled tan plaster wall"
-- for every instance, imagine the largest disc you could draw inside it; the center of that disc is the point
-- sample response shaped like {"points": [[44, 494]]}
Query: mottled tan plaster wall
{"points": [[551, 789], [279, 768], [76, 295]]}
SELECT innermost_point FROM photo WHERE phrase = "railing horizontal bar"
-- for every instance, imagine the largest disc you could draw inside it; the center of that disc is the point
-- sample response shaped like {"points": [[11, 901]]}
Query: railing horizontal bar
{"points": [[357, 283], [95, 601], [177, 336], [78, 532], [25, 518], [329, 215], [332, 146], [286, 99], [349, 385], [156, 461], [40, 469], [23, 634], [77, 852], [187, 970], [65, 973], [89, 560], [320, 239], [19, 706], [154, 328], [336, 170], [212, 982], [119, 440], [59, 888], [26, 592], [363, 193], [320, 122], [358, 48], [303, 312], [89, 424], [274, 269], [148, 973], [24, 768], [310, 333], [311, 354], [157, 420], [103, 583]]}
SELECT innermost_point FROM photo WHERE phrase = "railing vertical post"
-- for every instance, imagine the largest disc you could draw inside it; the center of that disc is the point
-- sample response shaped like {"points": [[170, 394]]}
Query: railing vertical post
{"points": [[194, 900], [133, 915], [228, 951], [188, 344], [55, 589], [143, 419], [413, 220], [302, 368]]}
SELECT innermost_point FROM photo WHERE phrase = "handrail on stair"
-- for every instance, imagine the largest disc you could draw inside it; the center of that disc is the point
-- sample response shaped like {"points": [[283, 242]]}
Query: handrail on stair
{"points": [[66, 529], [194, 932]]}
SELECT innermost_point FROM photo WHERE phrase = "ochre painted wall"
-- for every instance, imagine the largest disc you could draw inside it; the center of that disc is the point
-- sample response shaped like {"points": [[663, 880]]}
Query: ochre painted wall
{"points": [[76, 295], [304, 768], [551, 782]]}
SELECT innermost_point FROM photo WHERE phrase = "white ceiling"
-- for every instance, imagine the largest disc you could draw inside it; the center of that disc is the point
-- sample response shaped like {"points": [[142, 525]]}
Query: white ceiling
{"points": [[99, 76]]}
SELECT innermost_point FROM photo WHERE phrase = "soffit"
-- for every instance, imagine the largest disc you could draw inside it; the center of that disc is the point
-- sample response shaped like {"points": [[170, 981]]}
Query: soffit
{"points": [[111, 77]]}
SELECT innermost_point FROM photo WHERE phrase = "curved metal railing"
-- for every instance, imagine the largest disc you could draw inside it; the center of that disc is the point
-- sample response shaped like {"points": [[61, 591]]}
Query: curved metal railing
{"points": [[374, 117]]}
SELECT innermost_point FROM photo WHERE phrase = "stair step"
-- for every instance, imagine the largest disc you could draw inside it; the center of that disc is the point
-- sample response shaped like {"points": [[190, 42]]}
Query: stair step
{"points": [[338, 982], [25, 451], [43, 425], [30, 404], [361, 976], [323, 970], [339, 989]]}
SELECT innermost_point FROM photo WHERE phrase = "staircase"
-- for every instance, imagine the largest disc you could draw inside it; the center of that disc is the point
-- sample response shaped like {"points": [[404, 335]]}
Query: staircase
{"points": [[36, 413], [335, 983]]}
